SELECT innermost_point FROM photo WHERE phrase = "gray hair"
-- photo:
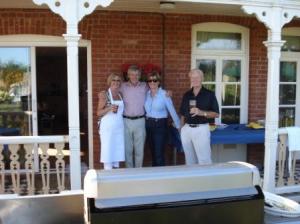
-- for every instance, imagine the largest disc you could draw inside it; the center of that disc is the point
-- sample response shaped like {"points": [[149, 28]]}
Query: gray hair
{"points": [[134, 68], [197, 71]]}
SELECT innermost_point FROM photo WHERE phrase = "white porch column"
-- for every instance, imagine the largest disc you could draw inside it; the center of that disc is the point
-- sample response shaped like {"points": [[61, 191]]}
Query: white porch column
{"points": [[72, 11], [274, 17]]}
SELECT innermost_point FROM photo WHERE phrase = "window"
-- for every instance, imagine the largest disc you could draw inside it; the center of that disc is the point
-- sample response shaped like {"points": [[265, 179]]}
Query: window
{"points": [[289, 98], [33, 87], [15, 91], [222, 55]]}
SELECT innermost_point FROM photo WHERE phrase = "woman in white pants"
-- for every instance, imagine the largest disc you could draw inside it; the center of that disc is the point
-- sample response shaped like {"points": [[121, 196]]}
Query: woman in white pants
{"points": [[110, 123]]}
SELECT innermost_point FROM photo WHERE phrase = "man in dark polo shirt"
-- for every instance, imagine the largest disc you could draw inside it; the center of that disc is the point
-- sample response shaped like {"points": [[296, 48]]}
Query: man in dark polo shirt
{"points": [[197, 107]]}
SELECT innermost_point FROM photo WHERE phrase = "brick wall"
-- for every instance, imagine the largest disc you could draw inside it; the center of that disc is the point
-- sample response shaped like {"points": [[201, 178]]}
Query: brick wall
{"points": [[164, 40]]}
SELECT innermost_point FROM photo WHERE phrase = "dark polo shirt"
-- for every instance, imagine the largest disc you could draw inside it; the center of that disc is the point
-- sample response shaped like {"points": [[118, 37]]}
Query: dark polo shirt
{"points": [[206, 100]]}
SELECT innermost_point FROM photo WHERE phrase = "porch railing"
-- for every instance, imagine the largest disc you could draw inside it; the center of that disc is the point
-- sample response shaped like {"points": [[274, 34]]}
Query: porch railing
{"points": [[287, 180], [32, 164]]}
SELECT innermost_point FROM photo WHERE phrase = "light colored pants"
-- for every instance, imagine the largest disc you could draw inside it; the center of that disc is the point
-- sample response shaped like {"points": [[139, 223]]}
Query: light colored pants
{"points": [[196, 144], [109, 166], [135, 135]]}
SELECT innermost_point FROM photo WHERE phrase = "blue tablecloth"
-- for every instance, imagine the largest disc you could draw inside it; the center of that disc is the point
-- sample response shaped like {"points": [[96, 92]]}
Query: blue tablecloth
{"points": [[9, 131], [237, 134], [232, 134]]}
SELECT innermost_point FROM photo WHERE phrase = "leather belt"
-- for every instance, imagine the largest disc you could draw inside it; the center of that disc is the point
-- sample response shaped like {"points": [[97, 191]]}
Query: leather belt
{"points": [[195, 125], [133, 118], [155, 119]]}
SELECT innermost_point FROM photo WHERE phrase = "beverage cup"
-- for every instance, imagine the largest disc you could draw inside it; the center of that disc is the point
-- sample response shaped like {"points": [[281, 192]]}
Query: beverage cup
{"points": [[192, 103], [115, 108]]}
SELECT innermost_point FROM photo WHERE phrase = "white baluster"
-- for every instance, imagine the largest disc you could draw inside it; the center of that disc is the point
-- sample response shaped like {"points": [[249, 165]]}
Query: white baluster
{"points": [[29, 167], [45, 167], [60, 166], [281, 159], [2, 169], [15, 167]]}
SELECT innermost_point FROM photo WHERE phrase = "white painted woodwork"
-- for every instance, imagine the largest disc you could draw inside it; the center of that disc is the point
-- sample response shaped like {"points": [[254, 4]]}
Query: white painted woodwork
{"points": [[45, 167], [72, 12], [286, 182], [212, 7], [220, 55], [29, 167], [274, 18], [15, 167], [60, 166], [2, 169], [15, 170]]}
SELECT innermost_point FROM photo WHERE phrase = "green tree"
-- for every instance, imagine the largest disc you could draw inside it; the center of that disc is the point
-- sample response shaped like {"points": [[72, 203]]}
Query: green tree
{"points": [[11, 73]]}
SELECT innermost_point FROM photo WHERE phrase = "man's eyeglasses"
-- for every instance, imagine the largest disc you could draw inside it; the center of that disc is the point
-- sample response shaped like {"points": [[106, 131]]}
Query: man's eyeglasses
{"points": [[116, 80], [152, 80]]}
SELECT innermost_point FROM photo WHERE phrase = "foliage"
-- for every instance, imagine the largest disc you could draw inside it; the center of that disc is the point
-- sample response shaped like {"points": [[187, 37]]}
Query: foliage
{"points": [[4, 96], [11, 73]]}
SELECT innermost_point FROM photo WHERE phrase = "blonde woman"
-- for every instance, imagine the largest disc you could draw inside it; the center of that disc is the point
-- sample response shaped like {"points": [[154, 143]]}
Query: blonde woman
{"points": [[111, 126]]}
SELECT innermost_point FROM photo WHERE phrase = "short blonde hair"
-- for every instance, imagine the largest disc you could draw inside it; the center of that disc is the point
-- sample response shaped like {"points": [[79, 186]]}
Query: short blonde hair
{"points": [[113, 76]]}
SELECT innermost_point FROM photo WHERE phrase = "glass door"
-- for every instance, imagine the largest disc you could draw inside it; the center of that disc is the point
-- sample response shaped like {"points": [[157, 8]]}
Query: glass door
{"points": [[223, 76], [15, 91], [288, 92]]}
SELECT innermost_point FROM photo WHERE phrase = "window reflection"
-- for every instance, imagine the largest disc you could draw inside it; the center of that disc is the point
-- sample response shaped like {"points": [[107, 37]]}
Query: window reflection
{"points": [[208, 67], [218, 41], [286, 117], [287, 93], [231, 116], [292, 43], [15, 98], [231, 71], [288, 71], [231, 95], [211, 87]]}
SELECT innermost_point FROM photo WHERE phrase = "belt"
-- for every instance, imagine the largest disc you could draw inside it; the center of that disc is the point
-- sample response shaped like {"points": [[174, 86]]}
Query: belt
{"points": [[155, 119], [133, 118], [195, 125]]}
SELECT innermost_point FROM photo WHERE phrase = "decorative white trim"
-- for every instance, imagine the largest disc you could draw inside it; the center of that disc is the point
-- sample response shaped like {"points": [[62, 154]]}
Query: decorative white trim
{"points": [[270, 3], [294, 57], [25, 40], [32, 41], [73, 11], [218, 55], [224, 28]]}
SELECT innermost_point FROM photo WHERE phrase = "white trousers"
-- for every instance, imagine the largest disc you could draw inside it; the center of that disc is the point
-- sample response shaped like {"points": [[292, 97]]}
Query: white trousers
{"points": [[196, 144], [109, 166]]}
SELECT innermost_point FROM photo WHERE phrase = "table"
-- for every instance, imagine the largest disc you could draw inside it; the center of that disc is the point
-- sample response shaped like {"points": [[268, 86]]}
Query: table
{"points": [[237, 134], [9, 131], [232, 134]]}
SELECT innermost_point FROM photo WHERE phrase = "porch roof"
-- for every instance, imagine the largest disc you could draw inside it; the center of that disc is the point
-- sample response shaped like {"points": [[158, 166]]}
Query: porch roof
{"points": [[209, 7]]}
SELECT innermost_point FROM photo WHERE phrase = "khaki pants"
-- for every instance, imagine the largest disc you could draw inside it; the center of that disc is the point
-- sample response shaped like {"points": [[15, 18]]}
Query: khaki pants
{"points": [[196, 144], [135, 135]]}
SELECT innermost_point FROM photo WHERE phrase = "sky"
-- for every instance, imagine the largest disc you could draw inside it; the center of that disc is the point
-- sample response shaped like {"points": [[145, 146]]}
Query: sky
{"points": [[16, 54]]}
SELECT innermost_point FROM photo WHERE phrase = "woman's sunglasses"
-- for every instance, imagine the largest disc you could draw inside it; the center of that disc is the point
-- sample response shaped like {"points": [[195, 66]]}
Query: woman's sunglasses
{"points": [[152, 80]]}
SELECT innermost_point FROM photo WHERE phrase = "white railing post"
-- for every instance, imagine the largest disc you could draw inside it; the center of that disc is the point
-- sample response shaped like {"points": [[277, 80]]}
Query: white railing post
{"points": [[274, 18], [73, 109], [72, 11], [272, 111]]}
